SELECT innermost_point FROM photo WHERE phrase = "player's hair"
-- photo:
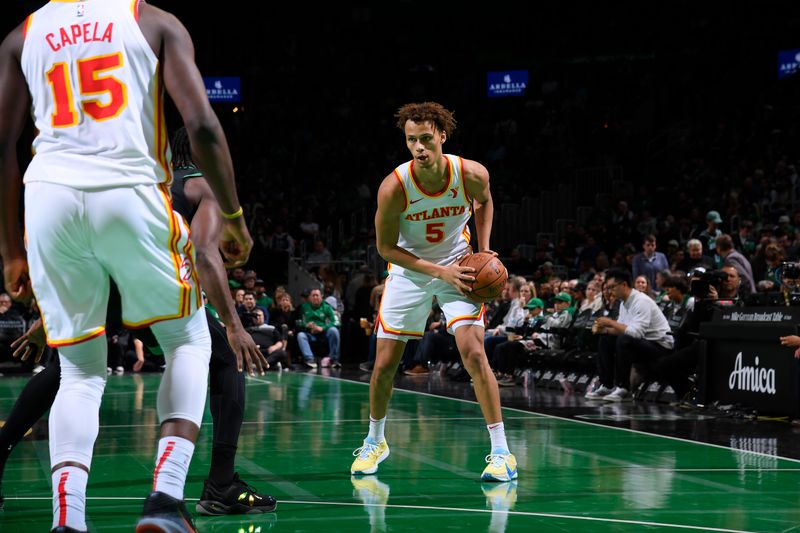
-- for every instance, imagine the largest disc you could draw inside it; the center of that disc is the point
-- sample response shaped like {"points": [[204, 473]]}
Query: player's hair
{"points": [[181, 149], [427, 111]]}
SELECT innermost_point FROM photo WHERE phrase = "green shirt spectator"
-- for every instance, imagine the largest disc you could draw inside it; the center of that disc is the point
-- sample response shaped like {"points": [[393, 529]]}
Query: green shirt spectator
{"points": [[316, 315]]}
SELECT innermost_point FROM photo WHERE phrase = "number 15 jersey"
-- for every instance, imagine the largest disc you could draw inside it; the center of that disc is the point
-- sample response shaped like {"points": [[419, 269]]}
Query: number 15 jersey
{"points": [[96, 92], [433, 225]]}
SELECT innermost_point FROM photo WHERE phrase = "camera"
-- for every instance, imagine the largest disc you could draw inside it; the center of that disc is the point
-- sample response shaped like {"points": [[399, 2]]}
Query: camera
{"points": [[790, 275], [249, 319], [700, 281]]}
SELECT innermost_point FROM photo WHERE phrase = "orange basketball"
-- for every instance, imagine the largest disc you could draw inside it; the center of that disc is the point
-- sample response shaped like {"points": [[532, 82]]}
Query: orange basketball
{"points": [[490, 276]]}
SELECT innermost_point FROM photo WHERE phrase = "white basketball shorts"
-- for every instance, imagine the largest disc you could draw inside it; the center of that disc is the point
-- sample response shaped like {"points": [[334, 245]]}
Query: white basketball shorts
{"points": [[407, 300], [77, 239]]}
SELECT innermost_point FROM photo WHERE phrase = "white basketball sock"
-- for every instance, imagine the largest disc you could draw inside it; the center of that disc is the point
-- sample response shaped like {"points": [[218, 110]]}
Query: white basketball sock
{"points": [[497, 432], [376, 429], [172, 465], [69, 497]]}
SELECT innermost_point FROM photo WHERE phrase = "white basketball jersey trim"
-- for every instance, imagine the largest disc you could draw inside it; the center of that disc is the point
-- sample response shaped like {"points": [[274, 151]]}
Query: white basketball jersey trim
{"points": [[96, 96], [433, 225]]}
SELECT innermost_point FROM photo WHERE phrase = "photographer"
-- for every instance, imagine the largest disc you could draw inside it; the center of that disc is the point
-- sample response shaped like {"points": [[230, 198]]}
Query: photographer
{"points": [[710, 291], [789, 294]]}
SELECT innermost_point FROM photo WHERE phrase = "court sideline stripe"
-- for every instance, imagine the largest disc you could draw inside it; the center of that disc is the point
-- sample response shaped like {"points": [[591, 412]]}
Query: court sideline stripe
{"points": [[528, 513], [453, 509]]}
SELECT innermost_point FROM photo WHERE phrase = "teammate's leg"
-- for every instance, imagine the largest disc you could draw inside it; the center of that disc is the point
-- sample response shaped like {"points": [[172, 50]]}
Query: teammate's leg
{"points": [[181, 402], [223, 491], [502, 464], [32, 403], [83, 378]]}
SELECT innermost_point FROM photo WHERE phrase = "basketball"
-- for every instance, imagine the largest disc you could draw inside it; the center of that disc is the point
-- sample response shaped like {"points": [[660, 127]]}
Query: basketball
{"points": [[490, 276]]}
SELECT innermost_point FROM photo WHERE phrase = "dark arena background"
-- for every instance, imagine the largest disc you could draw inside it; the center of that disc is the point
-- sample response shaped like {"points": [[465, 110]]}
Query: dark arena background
{"points": [[602, 124]]}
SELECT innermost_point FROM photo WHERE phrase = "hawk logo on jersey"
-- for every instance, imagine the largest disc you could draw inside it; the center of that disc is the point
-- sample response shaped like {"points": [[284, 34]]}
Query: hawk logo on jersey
{"points": [[186, 269], [454, 191]]}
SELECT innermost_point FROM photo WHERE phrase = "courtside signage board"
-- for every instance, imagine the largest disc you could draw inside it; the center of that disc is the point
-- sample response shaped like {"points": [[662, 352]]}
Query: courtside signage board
{"points": [[788, 62], [500, 84], [226, 89]]}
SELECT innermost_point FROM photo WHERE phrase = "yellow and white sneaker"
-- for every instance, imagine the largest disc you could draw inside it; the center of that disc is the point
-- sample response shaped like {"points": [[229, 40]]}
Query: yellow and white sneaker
{"points": [[370, 490], [369, 456], [501, 467], [500, 496]]}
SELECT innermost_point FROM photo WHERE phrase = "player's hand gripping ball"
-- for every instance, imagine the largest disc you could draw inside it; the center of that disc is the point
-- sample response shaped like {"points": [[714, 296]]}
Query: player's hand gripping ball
{"points": [[490, 276]]}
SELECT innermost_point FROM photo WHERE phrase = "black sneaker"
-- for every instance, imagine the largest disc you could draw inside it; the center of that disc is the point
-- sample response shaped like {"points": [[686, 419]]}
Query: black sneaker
{"points": [[236, 498], [65, 529], [164, 514]]}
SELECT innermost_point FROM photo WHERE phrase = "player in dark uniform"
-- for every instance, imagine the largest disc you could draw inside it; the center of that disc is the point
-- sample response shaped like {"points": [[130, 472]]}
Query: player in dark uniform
{"points": [[233, 350]]}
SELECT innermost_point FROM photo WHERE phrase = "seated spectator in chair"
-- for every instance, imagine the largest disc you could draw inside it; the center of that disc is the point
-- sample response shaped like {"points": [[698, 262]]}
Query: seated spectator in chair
{"points": [[519, 343], [520, 292], [436, 345], [642, 284], [270, 341], [247, 309], [680, 301], [320, 255], [695, 258], [317, 323], [559, 320], [640, 336], [593, 299]]}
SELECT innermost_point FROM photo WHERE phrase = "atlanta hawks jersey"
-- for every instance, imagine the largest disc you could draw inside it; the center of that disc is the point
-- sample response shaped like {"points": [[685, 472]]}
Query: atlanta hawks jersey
{"points": [[433, 225], [97, 96]]}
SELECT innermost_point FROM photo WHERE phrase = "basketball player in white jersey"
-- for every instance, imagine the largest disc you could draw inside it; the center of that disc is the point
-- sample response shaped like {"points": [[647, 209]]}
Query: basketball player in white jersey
{"points": [[97, 205], [421, 229]]}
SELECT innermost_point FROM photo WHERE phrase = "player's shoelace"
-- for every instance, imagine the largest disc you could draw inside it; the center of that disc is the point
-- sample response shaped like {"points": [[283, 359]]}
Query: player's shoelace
{"points": [[365, 450], [495, 459]]}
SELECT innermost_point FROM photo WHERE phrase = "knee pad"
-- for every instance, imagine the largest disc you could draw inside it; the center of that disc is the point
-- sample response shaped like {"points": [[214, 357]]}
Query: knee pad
{"points": [[187, 350], [83, 379]]}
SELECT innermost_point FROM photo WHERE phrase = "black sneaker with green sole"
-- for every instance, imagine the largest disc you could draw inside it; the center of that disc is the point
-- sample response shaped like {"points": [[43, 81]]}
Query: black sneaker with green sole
{"points": [[236, 498]]}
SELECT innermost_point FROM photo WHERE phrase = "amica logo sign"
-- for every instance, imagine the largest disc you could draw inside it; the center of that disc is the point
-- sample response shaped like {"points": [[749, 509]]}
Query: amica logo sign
{"points": [[751, 378]]}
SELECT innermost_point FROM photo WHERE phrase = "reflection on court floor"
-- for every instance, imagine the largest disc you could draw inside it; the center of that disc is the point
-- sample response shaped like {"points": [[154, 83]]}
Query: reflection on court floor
{"points": [[301, 429]]}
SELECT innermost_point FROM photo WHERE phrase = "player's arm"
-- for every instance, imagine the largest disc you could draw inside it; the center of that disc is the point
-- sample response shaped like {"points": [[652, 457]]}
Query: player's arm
{"points": [[14, 104], [476, 178], [391, 203], [182, 79], [206, 227]]}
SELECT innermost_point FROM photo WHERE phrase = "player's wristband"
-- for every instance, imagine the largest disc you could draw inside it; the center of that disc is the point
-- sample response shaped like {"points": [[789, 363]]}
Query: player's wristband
{"points": [[232, 216]]}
